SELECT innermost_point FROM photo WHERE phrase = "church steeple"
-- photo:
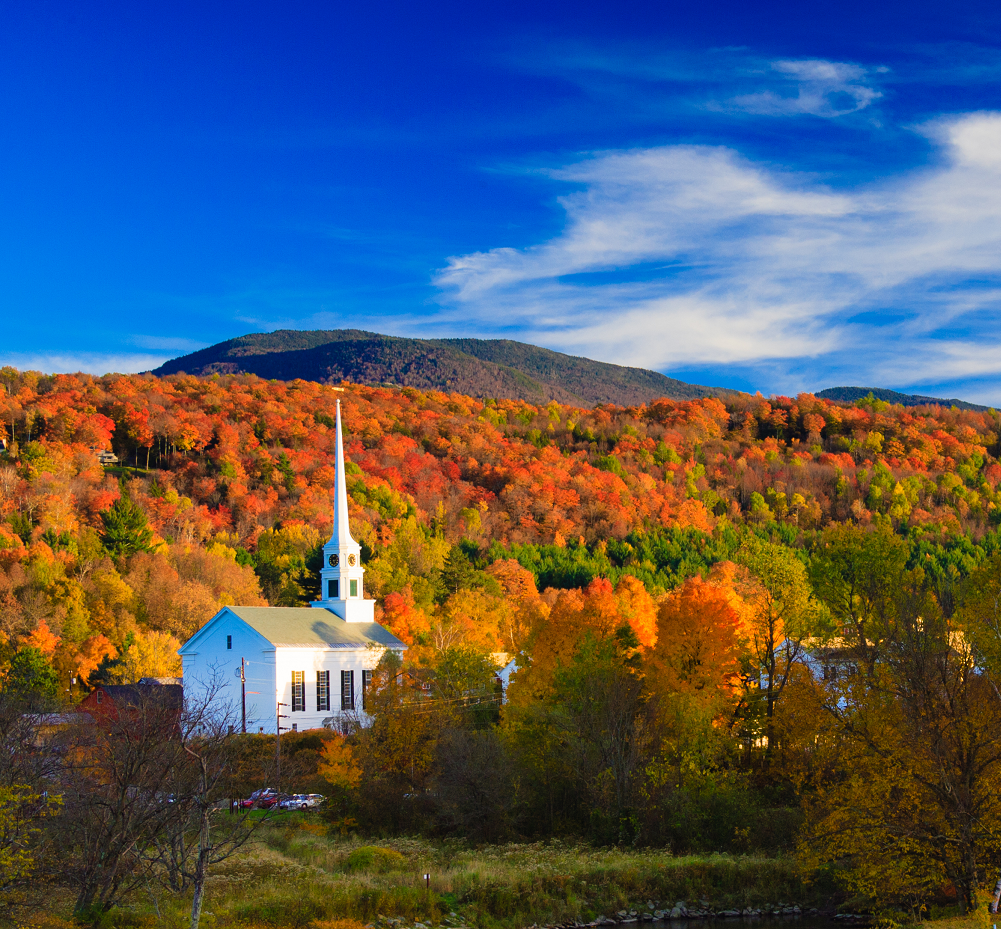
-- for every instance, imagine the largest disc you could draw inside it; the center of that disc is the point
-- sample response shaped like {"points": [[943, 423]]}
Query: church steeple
{"points": [[342, 530], [341, 577]]}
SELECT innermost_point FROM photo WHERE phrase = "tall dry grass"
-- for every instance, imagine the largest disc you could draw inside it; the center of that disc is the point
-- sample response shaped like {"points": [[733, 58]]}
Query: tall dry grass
{"points": [[298, 876]]}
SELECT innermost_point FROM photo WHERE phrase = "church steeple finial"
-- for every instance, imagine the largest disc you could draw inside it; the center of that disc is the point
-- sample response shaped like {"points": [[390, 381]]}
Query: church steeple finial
{"points": [[342, 530], [342, 575]]}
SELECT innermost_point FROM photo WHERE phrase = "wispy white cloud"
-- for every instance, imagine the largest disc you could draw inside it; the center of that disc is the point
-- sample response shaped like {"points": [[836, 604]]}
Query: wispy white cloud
{"points": [[86, 362], [684, 255], [728, 80], [821, 88], [167, 343]]}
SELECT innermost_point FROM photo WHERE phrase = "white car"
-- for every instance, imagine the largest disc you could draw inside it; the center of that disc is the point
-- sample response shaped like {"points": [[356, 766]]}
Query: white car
{"points": [[294, 802]]}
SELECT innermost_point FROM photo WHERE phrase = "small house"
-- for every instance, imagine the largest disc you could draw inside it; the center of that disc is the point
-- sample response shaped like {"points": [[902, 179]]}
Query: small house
{"points": [[110, 702]]}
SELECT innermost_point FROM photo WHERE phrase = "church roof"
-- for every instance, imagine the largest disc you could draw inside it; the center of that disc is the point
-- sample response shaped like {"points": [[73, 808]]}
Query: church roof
{"points": [[311, 627]]}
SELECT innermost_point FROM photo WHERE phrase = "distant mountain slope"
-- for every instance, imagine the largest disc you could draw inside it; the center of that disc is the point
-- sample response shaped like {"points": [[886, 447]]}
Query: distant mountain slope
{"points": [[851, 394], [476, 367]]}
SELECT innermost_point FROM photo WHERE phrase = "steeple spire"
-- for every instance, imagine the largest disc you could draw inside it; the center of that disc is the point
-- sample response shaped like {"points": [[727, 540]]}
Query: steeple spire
{"points": [[342, 531], [341, 587]]}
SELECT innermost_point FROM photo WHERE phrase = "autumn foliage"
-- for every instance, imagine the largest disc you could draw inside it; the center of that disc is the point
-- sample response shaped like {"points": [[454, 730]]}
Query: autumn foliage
{"points": [[232, 476], [708, 612]]}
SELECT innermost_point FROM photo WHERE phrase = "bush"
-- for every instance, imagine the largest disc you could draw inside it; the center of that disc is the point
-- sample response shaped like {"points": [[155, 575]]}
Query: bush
{"points": [[373, 858]]}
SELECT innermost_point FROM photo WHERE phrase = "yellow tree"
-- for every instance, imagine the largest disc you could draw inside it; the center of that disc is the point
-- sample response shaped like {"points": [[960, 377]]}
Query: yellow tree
{"points": [[782, 613], [151, 654], [525, 608], [906, 777], [695, 674], [22, 811], [337, 764], [555, 636]]}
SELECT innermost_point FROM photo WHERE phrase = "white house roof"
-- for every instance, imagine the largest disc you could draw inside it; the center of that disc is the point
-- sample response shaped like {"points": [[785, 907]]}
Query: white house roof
{"points": [[307, 627]]}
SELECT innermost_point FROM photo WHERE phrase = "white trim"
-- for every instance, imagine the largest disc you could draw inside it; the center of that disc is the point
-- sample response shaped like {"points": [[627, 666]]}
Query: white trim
{"points": [[185, 648]]}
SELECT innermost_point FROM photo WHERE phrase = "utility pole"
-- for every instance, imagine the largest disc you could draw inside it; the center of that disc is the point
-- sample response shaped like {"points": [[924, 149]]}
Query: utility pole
{"points": [[279, 716], [243, 694]]}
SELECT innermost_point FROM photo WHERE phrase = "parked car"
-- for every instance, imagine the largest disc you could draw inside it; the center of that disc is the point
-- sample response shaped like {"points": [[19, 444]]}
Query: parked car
{"points": [[313, 800], [294, 802], [265, 798], [247, 804]]}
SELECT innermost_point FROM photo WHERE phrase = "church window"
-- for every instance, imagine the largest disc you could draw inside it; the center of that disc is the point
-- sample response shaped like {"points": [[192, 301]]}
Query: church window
{"points": [[354, 587], [366, 683], [323, 690], [229, 641], [332, 590], [298, 691], [347, 690]]}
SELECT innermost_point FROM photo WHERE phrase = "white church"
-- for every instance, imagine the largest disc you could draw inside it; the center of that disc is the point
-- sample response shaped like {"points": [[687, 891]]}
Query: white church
{"points": [[301, 667]]}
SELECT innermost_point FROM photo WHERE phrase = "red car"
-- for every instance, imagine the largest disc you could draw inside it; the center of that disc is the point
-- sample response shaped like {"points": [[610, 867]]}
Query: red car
{"points": [[263, 799]]}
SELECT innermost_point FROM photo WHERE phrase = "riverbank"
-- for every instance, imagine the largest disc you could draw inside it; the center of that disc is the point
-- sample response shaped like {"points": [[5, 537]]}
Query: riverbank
{"points": [[297, 874]]}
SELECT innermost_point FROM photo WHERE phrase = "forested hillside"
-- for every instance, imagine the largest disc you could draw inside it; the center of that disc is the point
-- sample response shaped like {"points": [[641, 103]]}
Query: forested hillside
{"points": [[233, 476], [738, 625]]}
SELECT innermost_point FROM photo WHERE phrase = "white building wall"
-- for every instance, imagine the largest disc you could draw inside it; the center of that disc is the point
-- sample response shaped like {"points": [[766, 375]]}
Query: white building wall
{"points": [[311, 660], [212, 659], [213, 663]]}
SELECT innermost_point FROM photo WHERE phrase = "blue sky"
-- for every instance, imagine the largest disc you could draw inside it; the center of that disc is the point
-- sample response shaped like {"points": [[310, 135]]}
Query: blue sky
{"points": [[771, 196]]}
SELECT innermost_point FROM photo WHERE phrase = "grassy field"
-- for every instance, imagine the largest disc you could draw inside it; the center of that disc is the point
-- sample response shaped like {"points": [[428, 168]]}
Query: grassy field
{"points": [[297, 875]]}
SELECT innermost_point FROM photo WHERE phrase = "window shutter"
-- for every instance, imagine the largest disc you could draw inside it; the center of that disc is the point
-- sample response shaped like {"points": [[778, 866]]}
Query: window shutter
{"points": [[323, 690], [366, 682], [347, 690]]}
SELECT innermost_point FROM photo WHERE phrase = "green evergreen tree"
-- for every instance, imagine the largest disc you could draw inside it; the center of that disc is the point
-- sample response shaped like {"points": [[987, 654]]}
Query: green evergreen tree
{"points": [[31, 676], [458, 572], [126, 529]]}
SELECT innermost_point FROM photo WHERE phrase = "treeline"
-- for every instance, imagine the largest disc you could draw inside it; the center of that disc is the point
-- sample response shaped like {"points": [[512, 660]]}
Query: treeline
{"points": [[227, 495]]}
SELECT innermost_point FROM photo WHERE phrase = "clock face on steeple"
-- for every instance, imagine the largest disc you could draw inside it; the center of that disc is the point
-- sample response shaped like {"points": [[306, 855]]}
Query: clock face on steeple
{"points": [[352, 560], [333, 560]]}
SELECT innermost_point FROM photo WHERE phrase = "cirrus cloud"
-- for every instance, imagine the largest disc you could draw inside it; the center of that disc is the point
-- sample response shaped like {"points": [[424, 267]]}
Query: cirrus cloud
{"points": [[684, 256], [87, 362], [823, 88]]}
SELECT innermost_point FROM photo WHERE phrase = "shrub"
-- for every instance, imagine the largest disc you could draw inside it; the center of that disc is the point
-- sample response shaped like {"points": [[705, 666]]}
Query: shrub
{"points": [[372, 857]]}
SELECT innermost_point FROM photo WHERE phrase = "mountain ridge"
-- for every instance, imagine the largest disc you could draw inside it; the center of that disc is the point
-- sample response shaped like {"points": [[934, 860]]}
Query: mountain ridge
{"points": [[853, 394], [501, 368], [491, 368]]}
